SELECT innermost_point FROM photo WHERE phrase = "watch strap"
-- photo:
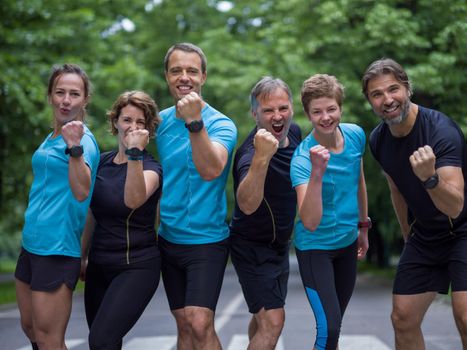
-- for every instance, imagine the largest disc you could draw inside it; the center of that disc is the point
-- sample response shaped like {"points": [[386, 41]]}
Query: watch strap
{"points": [[365, 224]]}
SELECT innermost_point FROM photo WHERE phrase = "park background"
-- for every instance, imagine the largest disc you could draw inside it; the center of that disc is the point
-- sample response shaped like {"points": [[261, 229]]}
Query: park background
{"points": [[121, 44]]}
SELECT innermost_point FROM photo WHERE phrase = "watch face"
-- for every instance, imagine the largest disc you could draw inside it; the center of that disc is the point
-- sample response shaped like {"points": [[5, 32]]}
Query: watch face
{"points": [[195, 126], [431, 182], [75, 151]]}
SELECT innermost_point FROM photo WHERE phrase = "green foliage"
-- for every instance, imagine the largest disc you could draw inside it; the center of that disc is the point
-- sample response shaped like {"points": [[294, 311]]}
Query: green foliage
{"points": [[290, 39]]}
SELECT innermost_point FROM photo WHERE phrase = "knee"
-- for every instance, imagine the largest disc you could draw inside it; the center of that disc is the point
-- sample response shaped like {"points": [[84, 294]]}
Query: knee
{"points": [[26, 325], [403, 320], [200, 323], [272, 325], [461, 321]]}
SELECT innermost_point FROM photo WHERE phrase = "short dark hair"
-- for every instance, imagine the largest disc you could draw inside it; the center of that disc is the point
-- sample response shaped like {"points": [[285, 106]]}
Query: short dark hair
{"points": [[385, 66], [265, 87], [321, 85], [186, 47], [138, 99]]}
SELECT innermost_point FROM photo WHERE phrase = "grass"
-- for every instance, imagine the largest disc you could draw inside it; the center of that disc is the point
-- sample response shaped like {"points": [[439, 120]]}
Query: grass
{"points": [[385, 272]]}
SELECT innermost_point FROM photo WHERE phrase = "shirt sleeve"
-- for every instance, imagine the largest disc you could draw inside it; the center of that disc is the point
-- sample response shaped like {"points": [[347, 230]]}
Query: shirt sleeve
{"points": [[223, 131], [300, 167]]}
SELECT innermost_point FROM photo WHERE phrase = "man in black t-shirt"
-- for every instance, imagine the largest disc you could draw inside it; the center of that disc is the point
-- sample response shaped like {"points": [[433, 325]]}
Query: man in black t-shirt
{"points": [[265, 209], [423, 155]]}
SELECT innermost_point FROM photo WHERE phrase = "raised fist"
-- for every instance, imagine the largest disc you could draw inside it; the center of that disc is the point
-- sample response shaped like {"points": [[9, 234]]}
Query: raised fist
{"points": [[72, 132], [319, 157], [137, 138], [189, 107], [265, 143], [423, 162]]}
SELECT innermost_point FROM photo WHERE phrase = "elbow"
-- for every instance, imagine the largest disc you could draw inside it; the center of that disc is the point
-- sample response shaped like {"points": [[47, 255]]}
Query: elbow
{"points": [[211, 173], [309, 224], [247, 210], [132, 204], [81, 196]]}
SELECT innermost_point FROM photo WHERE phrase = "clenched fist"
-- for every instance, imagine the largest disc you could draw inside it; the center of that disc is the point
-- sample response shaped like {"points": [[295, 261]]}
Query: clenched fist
{"points": [[265, 143], [189, 107], [423, 162], [137, 138], [319, 157], [72, 132]]}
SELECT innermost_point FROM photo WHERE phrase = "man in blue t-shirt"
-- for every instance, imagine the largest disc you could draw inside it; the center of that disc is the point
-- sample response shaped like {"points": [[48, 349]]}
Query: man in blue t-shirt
{"points": [[195, 144], [423, 155], [265, 209]]}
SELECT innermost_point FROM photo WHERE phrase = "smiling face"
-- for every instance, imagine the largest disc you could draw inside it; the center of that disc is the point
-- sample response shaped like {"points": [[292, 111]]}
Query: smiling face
{"points": [[67, 98], [184, 74], [131, 118], [389, 99], [325, 115], [274, 113]]}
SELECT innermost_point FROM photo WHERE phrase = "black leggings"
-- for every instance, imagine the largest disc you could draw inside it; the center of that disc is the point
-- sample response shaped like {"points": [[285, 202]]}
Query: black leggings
{"points": [[329, 279], [115, 297]]}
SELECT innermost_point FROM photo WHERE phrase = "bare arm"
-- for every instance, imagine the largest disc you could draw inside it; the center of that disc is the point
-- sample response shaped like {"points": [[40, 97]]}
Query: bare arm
{"points": [[139, 184], [309, 196], [79, 174], [250, 191], [448, 195], [363, 214], [400, 207], [85, 242], [210, 158]]}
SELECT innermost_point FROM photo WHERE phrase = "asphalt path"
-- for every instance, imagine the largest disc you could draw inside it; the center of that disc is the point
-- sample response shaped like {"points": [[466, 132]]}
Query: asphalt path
{"points": [[366, 324]]}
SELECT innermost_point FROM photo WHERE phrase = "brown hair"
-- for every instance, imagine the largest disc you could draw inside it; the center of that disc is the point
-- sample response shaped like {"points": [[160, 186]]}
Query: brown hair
{"points": [[138, 99], [186, 47], [385, 66], [69, 68], [321, 85]]}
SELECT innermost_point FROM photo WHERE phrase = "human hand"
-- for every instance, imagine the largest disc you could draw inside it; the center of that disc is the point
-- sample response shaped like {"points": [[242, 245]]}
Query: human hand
{"points": [[266, 144], [137, 138], [362, 243], [319, 157], [82, 272], [189, 107], [423, 162], [72, 132]]}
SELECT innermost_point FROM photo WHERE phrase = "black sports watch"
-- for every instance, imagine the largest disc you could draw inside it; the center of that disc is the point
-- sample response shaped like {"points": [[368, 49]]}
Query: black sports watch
{"points": [[431, 182], [74, 151], [195, 125], [134, 152]]}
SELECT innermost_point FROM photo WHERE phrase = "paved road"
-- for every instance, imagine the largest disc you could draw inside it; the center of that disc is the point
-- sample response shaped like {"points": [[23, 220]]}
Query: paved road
{"points": [[366, 324]]}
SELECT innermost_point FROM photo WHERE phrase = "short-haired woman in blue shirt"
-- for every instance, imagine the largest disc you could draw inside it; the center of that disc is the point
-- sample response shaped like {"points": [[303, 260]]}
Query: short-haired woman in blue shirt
{"points": [[64, 168], [331, 233]]}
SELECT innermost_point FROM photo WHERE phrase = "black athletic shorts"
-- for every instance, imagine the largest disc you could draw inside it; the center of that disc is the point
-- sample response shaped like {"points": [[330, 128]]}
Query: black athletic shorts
{"points": [[428, 267], [193, 273], [263, 272], [47, 273]]}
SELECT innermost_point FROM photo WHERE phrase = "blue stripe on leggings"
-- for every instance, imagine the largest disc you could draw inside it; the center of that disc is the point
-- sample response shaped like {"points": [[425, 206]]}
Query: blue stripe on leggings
{"points": [[320, 317]]}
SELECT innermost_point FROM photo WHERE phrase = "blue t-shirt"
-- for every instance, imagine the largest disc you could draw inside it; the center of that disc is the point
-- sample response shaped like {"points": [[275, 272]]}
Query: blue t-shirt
{"points": [[54, 219], [338, 226], [192, 210]]}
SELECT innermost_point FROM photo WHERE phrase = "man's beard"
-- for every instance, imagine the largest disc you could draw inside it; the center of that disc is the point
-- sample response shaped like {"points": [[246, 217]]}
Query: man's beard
{"points": [[401, 117]]}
